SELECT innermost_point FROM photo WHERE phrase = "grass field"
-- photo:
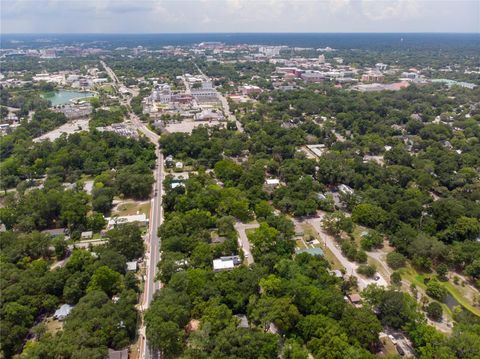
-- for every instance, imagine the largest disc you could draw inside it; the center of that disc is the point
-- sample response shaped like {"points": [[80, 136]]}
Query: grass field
{"points": [[413, 276], [130, 208]]}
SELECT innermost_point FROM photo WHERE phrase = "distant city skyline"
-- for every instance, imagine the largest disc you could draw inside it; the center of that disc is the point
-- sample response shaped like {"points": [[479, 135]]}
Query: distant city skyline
{"points": [[211, 16]]}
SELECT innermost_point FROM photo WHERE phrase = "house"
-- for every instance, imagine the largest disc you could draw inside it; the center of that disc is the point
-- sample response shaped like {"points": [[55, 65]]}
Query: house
{"points": [[355, 299], [179, 165], [137, 218], [56, 232], [62, 312], [317, 150], [272, 182], [132, 266], [344, 189], [321, 197], [117, 354], [226, 263], [337, 273], [243, 321], [87, 235], [218, 240], [312, 251]]}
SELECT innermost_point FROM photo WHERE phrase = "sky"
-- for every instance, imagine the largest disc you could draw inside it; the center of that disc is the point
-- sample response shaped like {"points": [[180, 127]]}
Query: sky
{"points": [[191, 16]]}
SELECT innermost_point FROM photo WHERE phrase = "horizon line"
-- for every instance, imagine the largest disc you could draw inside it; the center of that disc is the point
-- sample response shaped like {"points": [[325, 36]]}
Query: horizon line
{"points": [[240, 33]]}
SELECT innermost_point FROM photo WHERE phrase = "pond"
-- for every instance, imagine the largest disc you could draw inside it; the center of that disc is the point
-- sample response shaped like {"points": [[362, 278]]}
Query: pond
{"points": [[63, 97], [450, 301]]}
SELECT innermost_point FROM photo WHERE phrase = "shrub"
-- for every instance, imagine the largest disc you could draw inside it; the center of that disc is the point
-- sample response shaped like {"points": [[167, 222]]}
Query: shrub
{"points": [[395, 260], [434, 311], [367, 270], [436, 290]]}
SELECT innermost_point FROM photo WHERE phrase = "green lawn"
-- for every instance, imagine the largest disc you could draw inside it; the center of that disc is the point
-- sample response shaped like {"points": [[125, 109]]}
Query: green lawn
{"points": [[413, 276]]}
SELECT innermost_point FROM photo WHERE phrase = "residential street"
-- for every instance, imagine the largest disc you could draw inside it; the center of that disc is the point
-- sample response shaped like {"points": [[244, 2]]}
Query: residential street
{"points": [[243, 239], [350, 267]]}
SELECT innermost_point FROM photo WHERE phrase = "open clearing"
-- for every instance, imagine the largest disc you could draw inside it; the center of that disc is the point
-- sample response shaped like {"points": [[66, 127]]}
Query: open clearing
{"points": [[131, 208]]}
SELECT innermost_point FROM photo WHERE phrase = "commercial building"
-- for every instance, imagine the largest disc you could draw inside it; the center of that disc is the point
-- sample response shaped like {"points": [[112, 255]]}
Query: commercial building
{"points": [[312, 76], [162, 94], [373, 76]]}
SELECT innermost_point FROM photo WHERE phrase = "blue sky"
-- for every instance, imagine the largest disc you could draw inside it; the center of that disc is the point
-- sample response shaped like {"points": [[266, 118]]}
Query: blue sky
{"points": [[163, 16]]}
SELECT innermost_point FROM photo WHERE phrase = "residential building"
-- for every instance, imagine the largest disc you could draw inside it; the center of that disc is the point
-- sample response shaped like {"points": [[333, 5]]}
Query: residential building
{"points": [[136, 218], [226, 263], [62, 312]]}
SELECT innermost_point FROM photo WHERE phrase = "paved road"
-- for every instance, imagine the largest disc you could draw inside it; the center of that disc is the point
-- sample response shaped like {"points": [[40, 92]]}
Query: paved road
{"points": [[350, 267], [156, 219], [110, 73], [243, 240], [152, 254]]}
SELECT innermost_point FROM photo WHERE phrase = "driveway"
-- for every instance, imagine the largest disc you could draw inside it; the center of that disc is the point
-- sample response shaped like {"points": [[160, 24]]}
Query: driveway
{"points": [[243, 239], [350, 267]]}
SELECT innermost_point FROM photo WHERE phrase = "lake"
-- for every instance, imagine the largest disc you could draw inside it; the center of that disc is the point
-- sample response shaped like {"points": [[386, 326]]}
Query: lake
{"points": [[63, 97]]}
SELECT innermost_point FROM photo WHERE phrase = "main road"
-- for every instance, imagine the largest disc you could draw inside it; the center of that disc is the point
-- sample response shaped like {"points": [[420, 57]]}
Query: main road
{"points": [[152, 254]]}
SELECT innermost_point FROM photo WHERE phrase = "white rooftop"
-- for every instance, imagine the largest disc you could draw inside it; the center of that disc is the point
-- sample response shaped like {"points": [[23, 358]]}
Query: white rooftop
{"points": [[221, 264]]}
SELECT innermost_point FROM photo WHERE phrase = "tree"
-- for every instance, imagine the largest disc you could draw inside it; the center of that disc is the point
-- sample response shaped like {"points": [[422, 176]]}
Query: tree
{"points": [[263, 210], [279, 311], [337, 222], [369, 215], [96, 222], [396, 278], [243, 343], [126, 239], [106, 280], [434, 311], [362, 326], [395, 260], [473, 269], [395, 308], [442, 271], [263, 238], [372, 239], [228, 171], [217, 315], [436, 290], [367, 270]]}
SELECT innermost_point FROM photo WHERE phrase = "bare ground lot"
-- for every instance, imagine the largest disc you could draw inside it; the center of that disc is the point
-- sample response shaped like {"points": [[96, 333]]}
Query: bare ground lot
{"points": [[187, 126], [68, 128]]}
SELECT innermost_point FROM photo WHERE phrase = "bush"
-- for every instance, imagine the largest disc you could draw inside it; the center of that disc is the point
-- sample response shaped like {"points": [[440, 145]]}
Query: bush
{"points": [[349, 250], [372, 239], [442, 271], [396, 278], [395, 260], [367, 270], [436, 290], [361, 257], [434, 311]]}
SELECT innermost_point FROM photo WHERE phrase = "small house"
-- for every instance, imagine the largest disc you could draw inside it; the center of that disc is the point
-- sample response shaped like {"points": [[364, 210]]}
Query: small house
{"points": [[355, 299], [87, 235], [62, 312], [132, 266], [226, 263]]}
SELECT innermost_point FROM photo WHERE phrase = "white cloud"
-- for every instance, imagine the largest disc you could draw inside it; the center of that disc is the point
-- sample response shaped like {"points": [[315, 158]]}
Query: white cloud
{"points": [[239, 15], [390, 9]]}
